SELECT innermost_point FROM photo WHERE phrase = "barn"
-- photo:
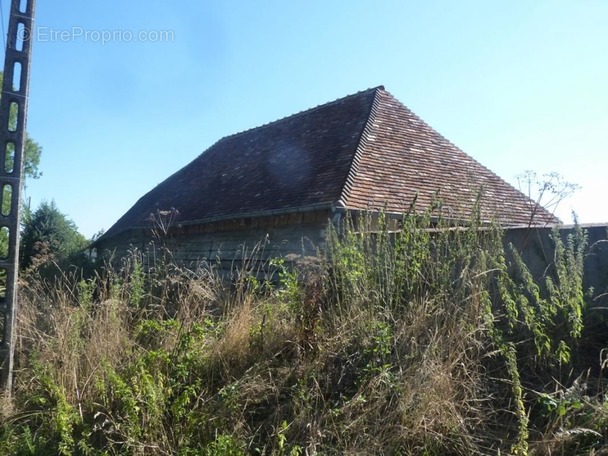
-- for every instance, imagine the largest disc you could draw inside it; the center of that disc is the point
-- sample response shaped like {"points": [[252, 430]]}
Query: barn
{"points": [[277, 187]]}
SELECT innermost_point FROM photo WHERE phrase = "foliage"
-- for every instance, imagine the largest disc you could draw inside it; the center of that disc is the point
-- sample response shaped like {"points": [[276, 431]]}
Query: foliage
{"points": [[31, 162], [32, 151], [432, 339], [547, 191], [50, 236]]}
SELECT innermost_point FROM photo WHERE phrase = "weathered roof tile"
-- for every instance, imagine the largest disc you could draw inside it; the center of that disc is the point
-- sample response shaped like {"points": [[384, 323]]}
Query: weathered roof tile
{"points": [[363, 151]]}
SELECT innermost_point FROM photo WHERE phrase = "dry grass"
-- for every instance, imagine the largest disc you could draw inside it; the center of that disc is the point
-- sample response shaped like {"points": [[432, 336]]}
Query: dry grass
{"points": [[350, 356]]}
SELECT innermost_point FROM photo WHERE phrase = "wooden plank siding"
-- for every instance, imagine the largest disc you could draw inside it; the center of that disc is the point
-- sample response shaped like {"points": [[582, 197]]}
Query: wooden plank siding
{"points": [[227, 242]]}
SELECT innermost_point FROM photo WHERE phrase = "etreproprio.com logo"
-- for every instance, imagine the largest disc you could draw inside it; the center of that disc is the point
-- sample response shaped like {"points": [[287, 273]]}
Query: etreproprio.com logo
{"points": [[45, 34]]}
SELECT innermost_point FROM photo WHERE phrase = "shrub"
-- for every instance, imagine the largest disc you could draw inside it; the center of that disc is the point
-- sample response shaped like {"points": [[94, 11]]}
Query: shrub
{"points": [[431, 339]]}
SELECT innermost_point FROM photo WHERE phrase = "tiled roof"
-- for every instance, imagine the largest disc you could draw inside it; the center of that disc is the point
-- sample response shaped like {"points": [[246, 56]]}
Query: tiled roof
{"points": [[363, 151], [400, 158]]}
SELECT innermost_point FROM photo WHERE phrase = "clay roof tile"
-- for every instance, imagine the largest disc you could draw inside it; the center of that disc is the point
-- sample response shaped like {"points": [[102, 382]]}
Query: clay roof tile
{"points": [[364, 150]]}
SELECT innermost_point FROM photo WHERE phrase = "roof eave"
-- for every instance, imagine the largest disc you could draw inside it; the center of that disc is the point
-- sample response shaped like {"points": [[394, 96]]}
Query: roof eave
{"points": [[332, 206]]}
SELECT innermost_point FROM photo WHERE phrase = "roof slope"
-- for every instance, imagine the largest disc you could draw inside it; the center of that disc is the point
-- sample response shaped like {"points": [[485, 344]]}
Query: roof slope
{"points": [[401, 158], [364, 150]]}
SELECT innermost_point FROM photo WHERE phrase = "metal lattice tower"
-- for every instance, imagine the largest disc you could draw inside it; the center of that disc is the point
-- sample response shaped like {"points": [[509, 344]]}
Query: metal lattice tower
{"points": [[13, 113]]}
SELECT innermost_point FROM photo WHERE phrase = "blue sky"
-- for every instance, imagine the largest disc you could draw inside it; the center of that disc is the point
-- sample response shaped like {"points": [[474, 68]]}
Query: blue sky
{"points": [[517, 85]]}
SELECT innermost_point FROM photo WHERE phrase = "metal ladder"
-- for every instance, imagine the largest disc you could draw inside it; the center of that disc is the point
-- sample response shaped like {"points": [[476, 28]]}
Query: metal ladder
{"points": [[15, 89]]}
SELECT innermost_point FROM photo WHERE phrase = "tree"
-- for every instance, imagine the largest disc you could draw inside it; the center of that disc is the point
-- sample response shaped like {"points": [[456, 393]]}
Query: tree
{"points": [[49, 236]]}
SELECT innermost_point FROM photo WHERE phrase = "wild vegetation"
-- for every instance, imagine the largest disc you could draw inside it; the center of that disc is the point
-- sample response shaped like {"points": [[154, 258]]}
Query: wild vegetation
{"points": [[50, 241], [432, 340]]}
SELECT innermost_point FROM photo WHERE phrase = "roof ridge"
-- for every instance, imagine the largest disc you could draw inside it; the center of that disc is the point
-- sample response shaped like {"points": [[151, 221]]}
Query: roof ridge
{"points": [[362, 149], [353, 168], [249, 130], [298, 113], [477, 162]]}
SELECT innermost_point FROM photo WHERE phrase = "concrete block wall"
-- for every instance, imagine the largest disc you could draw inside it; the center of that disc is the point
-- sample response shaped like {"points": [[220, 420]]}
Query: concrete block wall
{"points": [[537, 249]]}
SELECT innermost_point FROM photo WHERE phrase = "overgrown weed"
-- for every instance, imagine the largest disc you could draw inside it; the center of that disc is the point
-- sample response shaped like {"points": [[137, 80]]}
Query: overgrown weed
{"points": [[426, 339]]}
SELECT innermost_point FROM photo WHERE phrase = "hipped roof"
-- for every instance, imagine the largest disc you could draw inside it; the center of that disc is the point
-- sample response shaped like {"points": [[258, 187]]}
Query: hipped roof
{"points": [[364, 151]]}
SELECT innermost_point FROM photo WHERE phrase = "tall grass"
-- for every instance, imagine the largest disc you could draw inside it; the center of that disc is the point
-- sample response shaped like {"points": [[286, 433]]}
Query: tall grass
{"points": [[431, 339]]}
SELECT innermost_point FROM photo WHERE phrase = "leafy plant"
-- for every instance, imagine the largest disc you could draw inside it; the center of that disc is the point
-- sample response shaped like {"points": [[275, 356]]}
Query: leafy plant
{"points": [[416, 335]]}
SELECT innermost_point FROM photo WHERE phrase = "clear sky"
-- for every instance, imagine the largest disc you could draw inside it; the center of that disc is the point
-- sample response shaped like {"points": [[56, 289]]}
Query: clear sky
{"points": [[123, 94]]}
